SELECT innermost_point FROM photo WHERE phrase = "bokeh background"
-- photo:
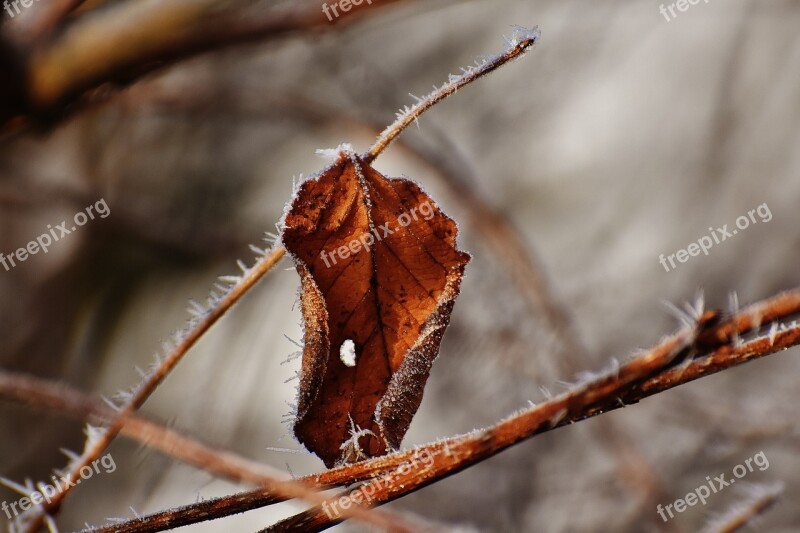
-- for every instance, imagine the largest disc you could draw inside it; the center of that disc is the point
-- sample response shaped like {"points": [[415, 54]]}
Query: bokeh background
{"points": [[619, 137]]}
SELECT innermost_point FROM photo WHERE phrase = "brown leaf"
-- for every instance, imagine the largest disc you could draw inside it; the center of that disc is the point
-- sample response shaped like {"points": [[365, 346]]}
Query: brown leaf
{"points": [[380, 273]]}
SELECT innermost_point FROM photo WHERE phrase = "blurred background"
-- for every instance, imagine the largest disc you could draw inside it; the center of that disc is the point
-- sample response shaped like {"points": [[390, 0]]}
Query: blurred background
{"points": [[620, 137]]}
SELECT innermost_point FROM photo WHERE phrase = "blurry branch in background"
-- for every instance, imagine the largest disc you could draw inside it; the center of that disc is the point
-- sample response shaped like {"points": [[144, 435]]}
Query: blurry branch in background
{"points": [[120, 43], [706, 345], [45, 394], [743, 514], [42, 20]]}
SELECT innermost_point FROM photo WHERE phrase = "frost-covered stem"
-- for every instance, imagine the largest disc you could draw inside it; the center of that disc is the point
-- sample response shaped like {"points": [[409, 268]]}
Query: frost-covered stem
{"points": [[94, 449], [522, 40], [743, 514], [640, 378], [45, 394], [456, 454]]}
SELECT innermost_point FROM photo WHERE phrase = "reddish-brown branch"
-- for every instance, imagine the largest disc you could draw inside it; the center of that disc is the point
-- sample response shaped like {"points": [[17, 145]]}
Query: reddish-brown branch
{"points": [[45, 394], [644, 376], [641, 377]]}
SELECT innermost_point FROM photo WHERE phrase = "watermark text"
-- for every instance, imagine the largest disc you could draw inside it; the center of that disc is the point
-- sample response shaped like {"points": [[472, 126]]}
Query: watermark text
{"points": [[332, 11], [46, 492], [681, 5], [712, 486], [363, 495], [376, 234], [716, 236], [43, 242]]}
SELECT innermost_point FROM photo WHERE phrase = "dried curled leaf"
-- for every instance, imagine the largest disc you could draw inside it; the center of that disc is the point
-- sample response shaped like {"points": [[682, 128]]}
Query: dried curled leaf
{"points": [[380, 273]]}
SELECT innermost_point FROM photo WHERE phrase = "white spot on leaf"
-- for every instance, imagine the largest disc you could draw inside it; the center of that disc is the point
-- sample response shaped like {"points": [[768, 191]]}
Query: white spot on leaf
{"points": [[347, 353]]}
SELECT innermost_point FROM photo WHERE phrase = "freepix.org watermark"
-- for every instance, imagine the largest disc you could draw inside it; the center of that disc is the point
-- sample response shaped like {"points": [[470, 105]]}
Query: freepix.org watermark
{"points": [[332, 11], [681, 5], [43, 242], [364, 493], [713, 486], [705, 243], [47, 492], [8, 4], [377, 234]]}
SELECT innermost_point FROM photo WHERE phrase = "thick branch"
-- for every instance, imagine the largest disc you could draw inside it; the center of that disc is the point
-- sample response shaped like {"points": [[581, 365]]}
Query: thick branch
{"points": [[644, 376], [641, 377]]}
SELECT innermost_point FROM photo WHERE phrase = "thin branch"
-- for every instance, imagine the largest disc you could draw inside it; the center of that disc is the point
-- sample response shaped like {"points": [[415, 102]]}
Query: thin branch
{"points": [[221, 304], [762, 499], [522, 40], [454, 455], [46, 394], [537, 419]]}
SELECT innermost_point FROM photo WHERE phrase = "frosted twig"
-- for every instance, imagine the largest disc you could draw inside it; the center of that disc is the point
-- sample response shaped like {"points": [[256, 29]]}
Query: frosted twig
{"points": [[759, 501], [522, 40], [641, 377], [479, 445], [46, 394], [200, 326]]}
